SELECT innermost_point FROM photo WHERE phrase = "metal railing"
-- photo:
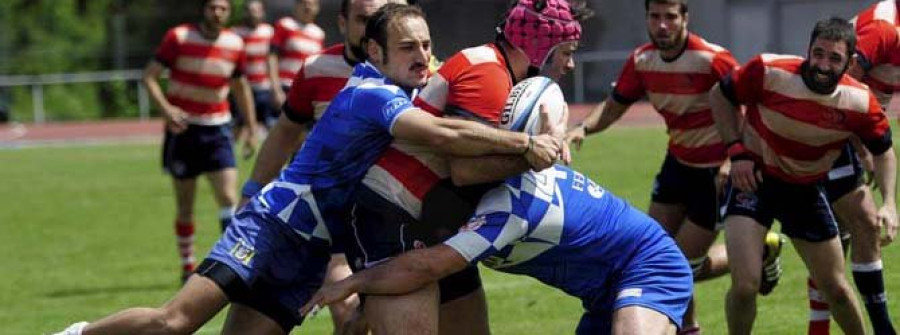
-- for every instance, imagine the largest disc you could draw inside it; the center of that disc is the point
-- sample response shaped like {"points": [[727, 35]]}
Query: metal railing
{"points": [[37, 83]]}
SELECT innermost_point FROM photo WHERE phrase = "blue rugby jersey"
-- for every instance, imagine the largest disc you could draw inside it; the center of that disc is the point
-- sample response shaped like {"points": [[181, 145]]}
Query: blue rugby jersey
{"points": [[355, 129], [559, 227]]}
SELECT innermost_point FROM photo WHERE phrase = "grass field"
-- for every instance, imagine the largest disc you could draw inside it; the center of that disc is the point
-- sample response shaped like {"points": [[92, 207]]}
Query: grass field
{"points": [[85, 231]]}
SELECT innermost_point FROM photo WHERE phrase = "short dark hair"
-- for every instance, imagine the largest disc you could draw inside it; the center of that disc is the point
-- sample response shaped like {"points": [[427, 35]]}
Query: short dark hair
{"points": [[681, 3], [345, 6], [377, 26], [835, 29]]}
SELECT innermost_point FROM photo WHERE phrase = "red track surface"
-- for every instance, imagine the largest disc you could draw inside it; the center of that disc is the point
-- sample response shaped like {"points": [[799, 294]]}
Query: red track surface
{"points": [[71, 133]]}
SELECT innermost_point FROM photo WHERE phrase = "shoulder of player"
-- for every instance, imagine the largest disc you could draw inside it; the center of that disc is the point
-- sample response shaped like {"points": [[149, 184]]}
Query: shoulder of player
{"points": [[229, 37], [473, 60], [328, 64], [287, 23], [313, 30]]}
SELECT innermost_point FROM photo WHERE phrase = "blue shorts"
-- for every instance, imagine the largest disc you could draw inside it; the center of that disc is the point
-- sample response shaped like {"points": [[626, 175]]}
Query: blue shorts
{"points": [[803, 209], [656, 277], [197, 150], [281, 270], [846, 174], [694, 188], [266, 111]]}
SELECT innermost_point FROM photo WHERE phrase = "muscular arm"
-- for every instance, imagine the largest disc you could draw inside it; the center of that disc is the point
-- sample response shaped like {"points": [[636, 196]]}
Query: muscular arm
{"points": [[272, 62], [404, 274], [283, 139], [466, 171], [886, 176], [604, 115], [726, 115], [151, 81], [468, 138]]}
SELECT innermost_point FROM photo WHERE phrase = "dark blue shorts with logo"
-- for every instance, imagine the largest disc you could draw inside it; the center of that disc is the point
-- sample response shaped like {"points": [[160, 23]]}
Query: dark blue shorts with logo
{"points": [[197, 150], [694, 188], [846, 174], [803, 209]]}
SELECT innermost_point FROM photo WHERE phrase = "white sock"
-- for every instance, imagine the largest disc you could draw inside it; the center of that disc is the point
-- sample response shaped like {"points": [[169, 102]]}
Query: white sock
{"points": [[74, 329]]}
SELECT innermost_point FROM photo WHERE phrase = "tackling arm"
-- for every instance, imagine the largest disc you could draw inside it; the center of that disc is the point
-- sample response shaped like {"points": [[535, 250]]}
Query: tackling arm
{"points": [[283, 139], [468, 138], [404, 274]]}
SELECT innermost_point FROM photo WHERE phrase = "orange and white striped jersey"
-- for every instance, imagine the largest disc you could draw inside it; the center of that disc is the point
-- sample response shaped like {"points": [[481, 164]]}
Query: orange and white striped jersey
{"points": [[878, 51], [473, 83], [293, 42], [678, 89], [256, 48], [794, 133], [885, 10], [319, 80], [200, 70]]}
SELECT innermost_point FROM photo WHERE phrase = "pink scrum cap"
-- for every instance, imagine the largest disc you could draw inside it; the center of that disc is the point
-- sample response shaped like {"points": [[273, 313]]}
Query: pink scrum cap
{"points": [[539, 26]]}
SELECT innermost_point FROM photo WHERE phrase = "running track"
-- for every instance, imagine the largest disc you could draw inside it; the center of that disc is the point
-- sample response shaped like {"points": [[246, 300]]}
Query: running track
{"points": [[119, 131]]}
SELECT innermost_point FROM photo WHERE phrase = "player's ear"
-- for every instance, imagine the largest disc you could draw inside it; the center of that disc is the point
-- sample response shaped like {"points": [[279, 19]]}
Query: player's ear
{"points": [[342, 24], [373, 50]]}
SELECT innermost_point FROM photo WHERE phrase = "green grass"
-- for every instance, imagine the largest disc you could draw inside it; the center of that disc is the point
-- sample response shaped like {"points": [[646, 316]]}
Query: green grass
{"points": [[86, 231]]}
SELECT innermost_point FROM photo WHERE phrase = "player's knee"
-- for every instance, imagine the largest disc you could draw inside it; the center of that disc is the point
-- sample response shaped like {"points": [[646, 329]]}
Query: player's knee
{"points": [[161, 321], [837, 293], [745, 288]]}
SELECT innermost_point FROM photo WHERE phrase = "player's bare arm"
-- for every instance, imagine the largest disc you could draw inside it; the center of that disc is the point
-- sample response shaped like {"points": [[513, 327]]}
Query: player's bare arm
{"points": [[601, 117], [728, 119], [468, 138], [175, 118], [484, 169], [278, 94], [283, 139], [241, 91], [886, 179], [407, 273]]}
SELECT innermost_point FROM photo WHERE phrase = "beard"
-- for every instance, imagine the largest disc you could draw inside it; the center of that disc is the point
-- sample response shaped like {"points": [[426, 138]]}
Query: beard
{"points": [[811, 74], [357, 52]]}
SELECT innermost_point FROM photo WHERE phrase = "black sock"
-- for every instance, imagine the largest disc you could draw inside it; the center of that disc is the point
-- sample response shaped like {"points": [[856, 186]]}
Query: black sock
{"points": [[869, 280]]}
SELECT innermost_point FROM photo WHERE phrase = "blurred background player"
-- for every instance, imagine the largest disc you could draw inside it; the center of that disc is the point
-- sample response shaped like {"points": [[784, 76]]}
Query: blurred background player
{"points": [[318, 81], [407, 196], [564, 230], [204, 59], [877, 65], [676, 71], [800, 114], [295, 39], [257, 35]]}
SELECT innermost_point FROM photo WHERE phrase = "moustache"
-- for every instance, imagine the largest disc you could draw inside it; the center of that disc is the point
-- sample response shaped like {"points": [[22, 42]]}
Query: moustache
{"points": [[418, 67]]}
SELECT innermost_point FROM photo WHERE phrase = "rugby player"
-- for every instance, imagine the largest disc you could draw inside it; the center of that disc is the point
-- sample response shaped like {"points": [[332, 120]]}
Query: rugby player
{"points": [[204, 59], [257, 36], [877, 66], [407, 196], [800, 114], [319, 80], [564, 230], [675, 71], [295, 39], [273, 256]]}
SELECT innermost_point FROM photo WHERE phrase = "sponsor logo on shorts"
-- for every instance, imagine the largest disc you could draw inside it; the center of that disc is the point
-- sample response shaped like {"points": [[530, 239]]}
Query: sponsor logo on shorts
{"points": [[243, 252], [630, 293], [746, 200], [474, 223]]}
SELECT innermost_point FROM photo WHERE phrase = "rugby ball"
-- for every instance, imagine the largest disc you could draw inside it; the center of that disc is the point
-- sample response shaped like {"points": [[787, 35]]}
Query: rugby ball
{"points": [[522, 109]]}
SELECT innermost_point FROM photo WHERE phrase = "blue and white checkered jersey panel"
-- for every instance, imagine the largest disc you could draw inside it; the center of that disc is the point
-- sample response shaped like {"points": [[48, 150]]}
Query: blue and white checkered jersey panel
{"points": [[556, 226], [352, 133]]}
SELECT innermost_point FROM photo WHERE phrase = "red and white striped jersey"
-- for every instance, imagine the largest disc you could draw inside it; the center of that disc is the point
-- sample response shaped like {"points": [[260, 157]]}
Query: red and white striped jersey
{"points": [[678, 89], [795, 133], [472, 83], [885, 10], [200, 71], [293, 42], [320, 78], [256, 48], [878, 48]]}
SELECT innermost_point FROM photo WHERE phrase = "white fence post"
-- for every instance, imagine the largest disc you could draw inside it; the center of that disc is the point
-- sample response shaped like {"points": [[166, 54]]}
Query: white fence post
{"points": [[143, 101]]}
